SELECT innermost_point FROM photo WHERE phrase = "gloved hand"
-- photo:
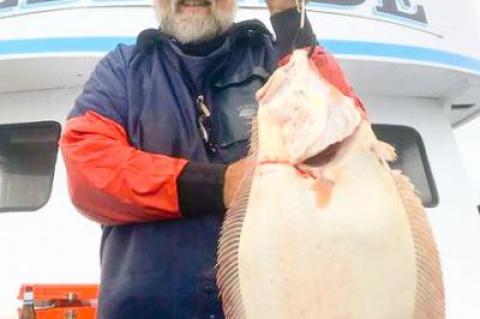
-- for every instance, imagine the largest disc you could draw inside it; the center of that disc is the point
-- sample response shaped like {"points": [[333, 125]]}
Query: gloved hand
{"points": [[276, 6], [233, 178]]}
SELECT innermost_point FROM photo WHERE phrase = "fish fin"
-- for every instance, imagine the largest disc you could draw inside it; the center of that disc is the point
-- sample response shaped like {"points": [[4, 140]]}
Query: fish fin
{"points": [[252, 151], [429, 299], [228, 279], [385, 151]]}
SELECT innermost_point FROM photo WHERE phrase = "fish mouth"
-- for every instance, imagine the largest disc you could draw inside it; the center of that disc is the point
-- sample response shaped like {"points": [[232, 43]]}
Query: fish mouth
{"points": [[324, 157], [331, 152]]}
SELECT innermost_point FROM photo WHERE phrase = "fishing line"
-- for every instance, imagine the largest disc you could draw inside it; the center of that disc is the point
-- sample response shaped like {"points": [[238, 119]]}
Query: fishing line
{"points": [[301, 8]]}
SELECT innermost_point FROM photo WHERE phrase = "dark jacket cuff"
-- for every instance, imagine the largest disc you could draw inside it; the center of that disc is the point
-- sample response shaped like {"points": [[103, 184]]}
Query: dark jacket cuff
{"points": [[200, 189], [286, 25]]}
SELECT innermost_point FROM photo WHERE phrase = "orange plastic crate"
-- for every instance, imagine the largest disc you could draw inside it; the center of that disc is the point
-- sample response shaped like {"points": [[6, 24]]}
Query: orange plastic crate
{"points": [[60, 291], [63, 301], [66, 313]]}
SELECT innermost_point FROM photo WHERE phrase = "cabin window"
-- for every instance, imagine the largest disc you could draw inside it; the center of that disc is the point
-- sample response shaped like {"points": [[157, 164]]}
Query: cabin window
{"points": [[412, 159], [28, 152]]}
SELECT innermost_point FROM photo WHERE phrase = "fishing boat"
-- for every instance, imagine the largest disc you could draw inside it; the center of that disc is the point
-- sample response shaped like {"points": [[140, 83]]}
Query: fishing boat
{"points": [[414, 63]]}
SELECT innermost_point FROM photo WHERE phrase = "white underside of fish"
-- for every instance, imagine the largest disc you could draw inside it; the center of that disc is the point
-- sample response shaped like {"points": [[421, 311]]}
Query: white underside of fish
{"points": [[352, 259], [322, 228]]}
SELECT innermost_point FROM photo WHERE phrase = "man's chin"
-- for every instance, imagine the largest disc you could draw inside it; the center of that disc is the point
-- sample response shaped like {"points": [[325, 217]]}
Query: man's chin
{"points": [[195, 23]]}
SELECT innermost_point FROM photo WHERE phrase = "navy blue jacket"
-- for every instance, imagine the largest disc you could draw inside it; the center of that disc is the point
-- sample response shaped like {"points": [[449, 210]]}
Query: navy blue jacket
{"points": [[147, 161]]}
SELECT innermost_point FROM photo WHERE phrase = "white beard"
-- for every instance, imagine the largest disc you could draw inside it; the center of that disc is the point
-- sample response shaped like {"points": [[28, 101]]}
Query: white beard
{"points": [[191, 27]]}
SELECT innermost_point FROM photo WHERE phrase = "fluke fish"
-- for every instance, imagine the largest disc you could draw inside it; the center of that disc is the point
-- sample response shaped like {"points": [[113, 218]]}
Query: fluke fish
{"points": [[322, 227]]}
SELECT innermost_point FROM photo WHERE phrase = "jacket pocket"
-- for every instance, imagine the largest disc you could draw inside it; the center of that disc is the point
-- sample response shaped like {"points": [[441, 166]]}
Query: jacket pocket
{"points": [[235, 106]]}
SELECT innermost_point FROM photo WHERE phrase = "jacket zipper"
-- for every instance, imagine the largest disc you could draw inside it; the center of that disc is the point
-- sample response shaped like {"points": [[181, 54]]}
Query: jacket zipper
{"points": [[204, 123], [204, 119]]}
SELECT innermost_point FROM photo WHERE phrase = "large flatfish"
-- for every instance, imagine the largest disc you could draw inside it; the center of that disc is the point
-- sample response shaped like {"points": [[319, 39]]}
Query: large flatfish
{"points": [[322, 227]]}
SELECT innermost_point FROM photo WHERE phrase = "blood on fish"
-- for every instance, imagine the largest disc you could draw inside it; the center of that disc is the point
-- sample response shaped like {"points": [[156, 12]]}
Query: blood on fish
{"points": [[298, 168], [323, 189]]}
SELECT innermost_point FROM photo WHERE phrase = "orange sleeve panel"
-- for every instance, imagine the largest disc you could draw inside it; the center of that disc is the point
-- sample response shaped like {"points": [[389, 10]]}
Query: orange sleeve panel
{"points": [[112, 182]]}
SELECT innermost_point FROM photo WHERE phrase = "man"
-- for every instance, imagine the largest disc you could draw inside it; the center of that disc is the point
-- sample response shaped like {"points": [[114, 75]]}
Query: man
{"points": [[150, 142]]}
